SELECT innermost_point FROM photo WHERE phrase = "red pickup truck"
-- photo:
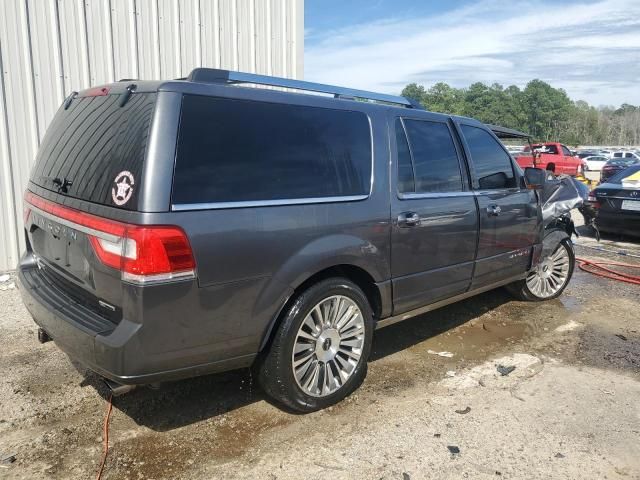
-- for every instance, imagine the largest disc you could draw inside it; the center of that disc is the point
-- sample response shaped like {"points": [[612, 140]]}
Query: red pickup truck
{"points": [[551, 156]]}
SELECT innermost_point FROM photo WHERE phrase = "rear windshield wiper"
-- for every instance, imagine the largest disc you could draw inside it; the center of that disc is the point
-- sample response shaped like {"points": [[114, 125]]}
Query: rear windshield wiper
{"points": [[62, 185]]}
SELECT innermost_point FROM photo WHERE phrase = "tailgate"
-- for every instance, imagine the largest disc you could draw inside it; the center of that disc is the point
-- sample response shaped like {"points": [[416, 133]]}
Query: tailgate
{"points": [[67, 265], [93, 153]]}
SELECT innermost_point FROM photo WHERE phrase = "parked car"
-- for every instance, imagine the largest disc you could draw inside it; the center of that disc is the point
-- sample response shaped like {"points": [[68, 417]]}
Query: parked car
{"points": [[595, 162], [615, 155], [186, 227], [617, 202], [555, 157], [616, 165], [587, 153]]}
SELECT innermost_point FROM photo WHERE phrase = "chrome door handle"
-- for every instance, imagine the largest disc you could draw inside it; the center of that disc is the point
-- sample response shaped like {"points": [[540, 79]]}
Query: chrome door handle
{"points": [[494, 210], [408, 219]]}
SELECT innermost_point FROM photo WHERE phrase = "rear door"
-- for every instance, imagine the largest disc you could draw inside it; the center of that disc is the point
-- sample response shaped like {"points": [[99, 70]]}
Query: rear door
{"points": [[433, 212], [508, 212]]}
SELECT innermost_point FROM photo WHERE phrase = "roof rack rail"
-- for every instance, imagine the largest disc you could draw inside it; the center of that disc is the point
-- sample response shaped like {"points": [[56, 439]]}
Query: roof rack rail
{"points": [[214, 75]]}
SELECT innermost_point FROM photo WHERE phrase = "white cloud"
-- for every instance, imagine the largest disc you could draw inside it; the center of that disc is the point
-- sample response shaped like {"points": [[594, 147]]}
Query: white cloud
{"points": [[592, 50]]}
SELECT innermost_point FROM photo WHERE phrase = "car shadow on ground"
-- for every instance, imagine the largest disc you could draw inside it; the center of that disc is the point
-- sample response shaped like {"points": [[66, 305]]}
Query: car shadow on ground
{"points": [[408, 333], [178, 404]]}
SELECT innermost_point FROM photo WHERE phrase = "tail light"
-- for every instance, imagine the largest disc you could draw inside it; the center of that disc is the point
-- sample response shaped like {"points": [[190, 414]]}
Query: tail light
{"points": [[593, 200], [143, 253]]}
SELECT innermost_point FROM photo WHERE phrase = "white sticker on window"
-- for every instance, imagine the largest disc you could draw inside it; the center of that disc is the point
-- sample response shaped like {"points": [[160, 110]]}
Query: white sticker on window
{"points": [[123, 188]]}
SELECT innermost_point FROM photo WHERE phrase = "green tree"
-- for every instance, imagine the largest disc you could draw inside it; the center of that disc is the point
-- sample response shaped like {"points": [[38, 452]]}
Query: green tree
{"points": [[545, 112]]}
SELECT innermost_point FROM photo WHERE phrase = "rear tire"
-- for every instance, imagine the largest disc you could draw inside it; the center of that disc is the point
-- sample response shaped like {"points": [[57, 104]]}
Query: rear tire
{"points": [[549, 279], [319, 352]]}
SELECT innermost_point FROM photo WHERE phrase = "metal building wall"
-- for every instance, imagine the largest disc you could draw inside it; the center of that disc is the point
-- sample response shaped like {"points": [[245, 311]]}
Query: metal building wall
{"points": [[49, 48]]}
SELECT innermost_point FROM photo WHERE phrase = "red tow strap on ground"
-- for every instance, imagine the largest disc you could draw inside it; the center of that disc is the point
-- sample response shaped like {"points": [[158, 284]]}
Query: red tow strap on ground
{"points": [[599, 268]]}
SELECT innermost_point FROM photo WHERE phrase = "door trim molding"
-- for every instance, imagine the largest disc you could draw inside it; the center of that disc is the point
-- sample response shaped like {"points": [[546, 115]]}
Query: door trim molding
{"points": [[385, 322]]}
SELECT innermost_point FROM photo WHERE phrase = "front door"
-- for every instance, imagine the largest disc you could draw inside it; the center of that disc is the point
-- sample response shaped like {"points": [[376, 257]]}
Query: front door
{"points": [[508, 212], [569, 164], [433, 211]]}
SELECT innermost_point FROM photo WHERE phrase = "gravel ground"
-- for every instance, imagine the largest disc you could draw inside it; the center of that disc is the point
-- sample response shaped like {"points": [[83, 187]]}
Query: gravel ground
{"points": [[570, 409]]}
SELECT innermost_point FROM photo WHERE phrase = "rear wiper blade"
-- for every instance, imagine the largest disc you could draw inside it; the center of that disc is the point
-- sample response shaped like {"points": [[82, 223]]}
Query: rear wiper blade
{"points": [[62, 185]]}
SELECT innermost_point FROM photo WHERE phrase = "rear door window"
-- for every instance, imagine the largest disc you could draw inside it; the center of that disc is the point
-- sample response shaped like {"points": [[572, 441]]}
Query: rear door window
{"points": [[94, 145], [491, 163], [233, 150], [436, 166], [406, 182]]}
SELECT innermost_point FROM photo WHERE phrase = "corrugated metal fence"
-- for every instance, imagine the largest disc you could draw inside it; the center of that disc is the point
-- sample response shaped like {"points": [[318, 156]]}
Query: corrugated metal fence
{"points": [[49, 48]]}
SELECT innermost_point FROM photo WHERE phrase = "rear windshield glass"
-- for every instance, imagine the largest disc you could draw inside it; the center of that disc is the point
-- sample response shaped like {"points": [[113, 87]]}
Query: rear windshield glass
{"points": [[238, 150], [95, 149], [618, 177]]}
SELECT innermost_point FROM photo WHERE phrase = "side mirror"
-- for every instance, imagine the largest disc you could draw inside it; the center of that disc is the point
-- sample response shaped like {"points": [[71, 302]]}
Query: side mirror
{"points": [[534, 178]]}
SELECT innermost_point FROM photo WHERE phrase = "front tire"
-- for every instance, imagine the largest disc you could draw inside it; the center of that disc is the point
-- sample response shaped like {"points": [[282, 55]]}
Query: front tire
{"points": [[319, 353], [549, 278]]}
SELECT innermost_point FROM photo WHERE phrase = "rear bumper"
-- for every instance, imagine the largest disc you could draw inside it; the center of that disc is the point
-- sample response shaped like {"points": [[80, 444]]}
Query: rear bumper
{"points": [[620, 223], [122, 352]]}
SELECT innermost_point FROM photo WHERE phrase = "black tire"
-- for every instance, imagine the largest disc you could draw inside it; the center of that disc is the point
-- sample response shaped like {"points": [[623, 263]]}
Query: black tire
{"points": [[521, 290], [275, 368]]}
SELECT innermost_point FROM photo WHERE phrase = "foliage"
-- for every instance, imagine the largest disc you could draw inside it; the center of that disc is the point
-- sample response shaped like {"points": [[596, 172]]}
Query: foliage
{"points": [[545, 112]]}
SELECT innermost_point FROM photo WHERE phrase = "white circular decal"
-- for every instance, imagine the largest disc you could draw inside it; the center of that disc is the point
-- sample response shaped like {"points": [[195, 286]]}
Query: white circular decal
{"points": [[123, 188]]}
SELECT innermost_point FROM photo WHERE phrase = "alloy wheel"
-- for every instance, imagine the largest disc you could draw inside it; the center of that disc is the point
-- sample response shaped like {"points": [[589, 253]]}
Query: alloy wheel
{"points": [[328, 346], [551, 274]]}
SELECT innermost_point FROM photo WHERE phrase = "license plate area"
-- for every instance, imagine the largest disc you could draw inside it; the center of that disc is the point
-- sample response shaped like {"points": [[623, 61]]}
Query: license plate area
{"points": [[633, 205]]}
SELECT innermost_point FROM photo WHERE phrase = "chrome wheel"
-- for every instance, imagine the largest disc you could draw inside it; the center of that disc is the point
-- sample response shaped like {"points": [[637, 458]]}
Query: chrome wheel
{"points": [[328, 346], [551, 274]]}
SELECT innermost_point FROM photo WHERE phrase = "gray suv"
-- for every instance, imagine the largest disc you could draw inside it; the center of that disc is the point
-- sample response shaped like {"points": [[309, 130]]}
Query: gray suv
{"points": [[180, 228]]}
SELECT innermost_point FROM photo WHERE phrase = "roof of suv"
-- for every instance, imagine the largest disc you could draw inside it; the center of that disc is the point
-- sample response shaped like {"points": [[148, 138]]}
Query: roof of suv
{"points": [[209, 80]]}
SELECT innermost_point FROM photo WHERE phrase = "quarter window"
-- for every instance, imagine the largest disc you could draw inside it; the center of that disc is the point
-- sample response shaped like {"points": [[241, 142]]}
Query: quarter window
{"points": [[237, 150], [492, 164], [435, 160]]}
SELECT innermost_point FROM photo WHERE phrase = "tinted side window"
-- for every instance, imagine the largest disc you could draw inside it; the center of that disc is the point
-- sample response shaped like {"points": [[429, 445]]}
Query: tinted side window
{"points": [[492, 164], [566, 151], [406, 183], [236, 150], [435, 159]]}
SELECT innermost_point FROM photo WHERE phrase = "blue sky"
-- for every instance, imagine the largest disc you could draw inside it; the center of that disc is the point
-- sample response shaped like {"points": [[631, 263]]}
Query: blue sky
{"points": [[591, 49]]}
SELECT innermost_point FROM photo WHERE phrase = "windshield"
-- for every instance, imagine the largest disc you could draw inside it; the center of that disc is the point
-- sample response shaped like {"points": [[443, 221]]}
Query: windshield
{"points": [[622, 162]]}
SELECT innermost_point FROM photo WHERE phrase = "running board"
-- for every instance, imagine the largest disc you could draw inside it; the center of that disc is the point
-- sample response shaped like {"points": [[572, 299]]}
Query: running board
{"points": [[385, 322]]}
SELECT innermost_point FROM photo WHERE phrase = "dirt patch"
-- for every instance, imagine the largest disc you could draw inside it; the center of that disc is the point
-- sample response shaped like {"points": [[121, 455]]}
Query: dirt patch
{"points": [[222, 426]]}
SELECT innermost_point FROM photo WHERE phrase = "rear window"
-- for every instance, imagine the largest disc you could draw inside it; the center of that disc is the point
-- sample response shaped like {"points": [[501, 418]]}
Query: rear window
{"points": [[618, 177], [236, 150], [435, 160], [97, 149]]}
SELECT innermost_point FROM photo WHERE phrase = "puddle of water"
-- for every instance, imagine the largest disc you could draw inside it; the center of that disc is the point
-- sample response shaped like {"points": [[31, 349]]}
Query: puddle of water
{"points": [[473, 331], [157, 455]]}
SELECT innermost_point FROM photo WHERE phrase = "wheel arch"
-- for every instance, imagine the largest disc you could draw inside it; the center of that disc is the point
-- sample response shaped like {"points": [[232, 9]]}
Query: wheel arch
{"points": [[358, 275]]}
